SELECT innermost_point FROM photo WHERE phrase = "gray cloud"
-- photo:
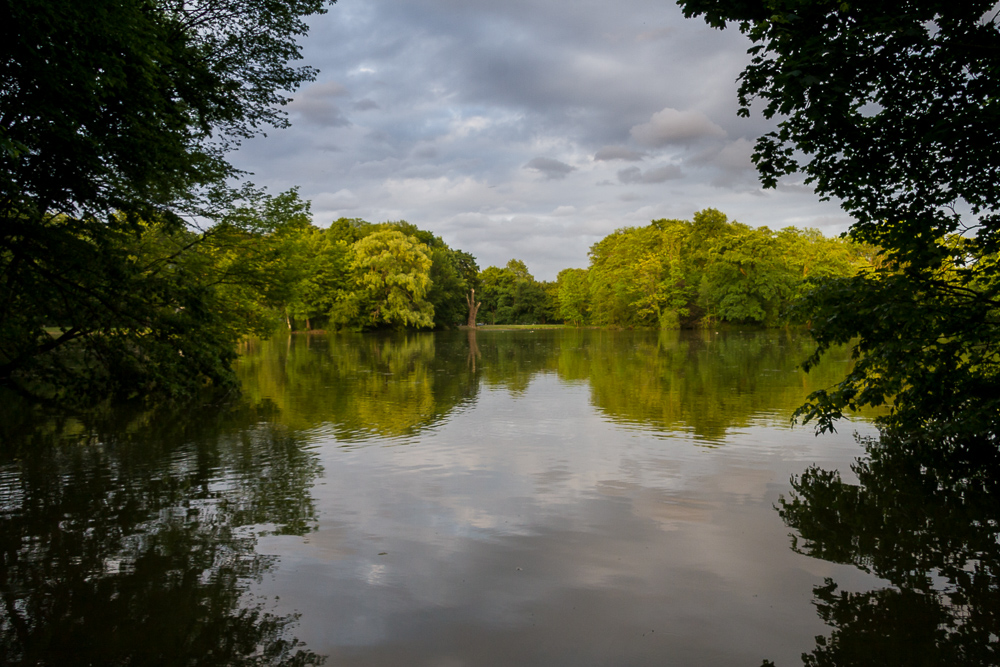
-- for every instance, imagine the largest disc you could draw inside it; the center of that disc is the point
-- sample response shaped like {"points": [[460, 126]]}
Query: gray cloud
{"points": [[670, 126], [314, 105], [656, 175], [365, 105], [618, 153], [731, 162], [425, 153], [551, 168], [736, 155]]}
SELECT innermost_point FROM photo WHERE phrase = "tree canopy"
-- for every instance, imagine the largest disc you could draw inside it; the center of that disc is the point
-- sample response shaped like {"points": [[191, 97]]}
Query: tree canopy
{"points": [[127, 106], [680, 273], [511, 295], [115, 116], [890, 106]]}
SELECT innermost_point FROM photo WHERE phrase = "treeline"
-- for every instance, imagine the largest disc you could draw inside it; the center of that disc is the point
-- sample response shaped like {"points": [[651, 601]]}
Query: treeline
{"points": [[162, 298], [358, 276], [676, 273]]}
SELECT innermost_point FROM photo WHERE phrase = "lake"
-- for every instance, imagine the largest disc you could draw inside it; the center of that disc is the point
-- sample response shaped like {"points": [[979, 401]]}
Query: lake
{"points": [[549, 497]]}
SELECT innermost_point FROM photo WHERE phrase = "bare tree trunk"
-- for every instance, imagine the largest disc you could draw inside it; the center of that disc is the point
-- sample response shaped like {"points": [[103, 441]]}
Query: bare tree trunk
{"points": [[473, 348], [473, 307]]}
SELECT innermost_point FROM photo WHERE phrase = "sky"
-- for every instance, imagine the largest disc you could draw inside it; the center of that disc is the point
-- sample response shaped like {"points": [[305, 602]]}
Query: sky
{"points": [[524, 129]]}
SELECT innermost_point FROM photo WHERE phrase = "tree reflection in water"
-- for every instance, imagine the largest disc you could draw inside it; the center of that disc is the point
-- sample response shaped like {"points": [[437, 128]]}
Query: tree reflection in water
{"points": [[133, 541], [926, 518], [400, 384]]}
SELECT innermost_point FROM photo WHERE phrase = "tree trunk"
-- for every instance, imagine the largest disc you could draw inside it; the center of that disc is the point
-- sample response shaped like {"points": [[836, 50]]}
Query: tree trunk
{"points": [[473, 307], [473, 348]]}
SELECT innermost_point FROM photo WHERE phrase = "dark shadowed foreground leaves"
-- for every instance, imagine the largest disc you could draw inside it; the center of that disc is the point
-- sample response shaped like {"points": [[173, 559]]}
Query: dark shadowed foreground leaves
{"points": [[129, 538], [928, 523], [891, 107]]}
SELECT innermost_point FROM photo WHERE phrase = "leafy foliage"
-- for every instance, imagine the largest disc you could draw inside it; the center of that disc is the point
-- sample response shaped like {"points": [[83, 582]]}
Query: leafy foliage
{"points": [[675, 273], [127, 105], [152, 308], [891, 107], [511, 295], [393, 272], [396, 276], [572, 293], [115, 118]]}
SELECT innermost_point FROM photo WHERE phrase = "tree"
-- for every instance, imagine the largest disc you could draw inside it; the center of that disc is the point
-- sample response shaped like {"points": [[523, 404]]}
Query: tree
{"points": [[639, 276], [158, 310], [115, 116], [573, 295], [749, 281], [891, 108], [511, 295], [452, 272], [392, 274], [266, 258], [470, 300], [125, 106], [327, 277]]}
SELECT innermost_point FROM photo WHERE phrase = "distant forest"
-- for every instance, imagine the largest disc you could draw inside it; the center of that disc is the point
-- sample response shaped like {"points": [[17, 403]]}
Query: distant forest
{"points": [[357, 276]]}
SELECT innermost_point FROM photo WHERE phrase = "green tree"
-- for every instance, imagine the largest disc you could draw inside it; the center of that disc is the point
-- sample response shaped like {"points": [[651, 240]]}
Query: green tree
{"points": [[116, 115], [615, 264], [749, 280], [392, 278], [891, 107], [263, 253], [448, 289], [158, 311], [493, 280], [511, 295], [639, 276], [573, 295], [452, 272], [327, 277]]}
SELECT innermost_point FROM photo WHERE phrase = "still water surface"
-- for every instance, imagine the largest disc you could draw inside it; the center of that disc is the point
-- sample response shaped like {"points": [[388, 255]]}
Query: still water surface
{"points": [[460, 498]]}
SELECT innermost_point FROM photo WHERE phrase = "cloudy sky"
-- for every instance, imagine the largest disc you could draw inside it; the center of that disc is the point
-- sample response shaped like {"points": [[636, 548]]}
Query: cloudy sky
{"points": [[523, 128]]}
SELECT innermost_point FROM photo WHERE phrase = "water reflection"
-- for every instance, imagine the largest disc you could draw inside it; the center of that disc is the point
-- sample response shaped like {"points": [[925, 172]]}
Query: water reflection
{"points": [[929, 525], [389, 385], [548, 507], [397, 385], [701, 382], [130, 538]]}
